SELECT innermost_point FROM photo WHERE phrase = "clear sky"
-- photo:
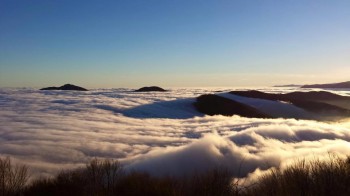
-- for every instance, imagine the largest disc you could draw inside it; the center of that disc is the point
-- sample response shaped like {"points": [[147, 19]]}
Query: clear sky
{"points": [[169, 43]]}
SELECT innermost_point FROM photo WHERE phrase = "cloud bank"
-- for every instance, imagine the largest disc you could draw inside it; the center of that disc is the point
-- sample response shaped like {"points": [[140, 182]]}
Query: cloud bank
{"points": [[50, 131]]}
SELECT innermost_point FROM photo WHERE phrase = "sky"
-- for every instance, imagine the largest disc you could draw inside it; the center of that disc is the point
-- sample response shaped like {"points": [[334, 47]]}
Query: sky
{"points": [[173, 43]]}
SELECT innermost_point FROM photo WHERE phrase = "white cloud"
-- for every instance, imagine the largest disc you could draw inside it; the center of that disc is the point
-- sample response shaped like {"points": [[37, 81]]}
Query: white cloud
{"points": [[54, 130]]}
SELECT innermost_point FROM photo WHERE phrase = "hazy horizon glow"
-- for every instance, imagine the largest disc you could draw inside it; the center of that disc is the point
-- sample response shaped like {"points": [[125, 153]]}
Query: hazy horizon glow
{"points": [[173, 43]]}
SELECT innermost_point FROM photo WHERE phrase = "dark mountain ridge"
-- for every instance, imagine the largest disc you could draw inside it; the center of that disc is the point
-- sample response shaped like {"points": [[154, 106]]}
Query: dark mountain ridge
{"points": [[314, 101], [69, 87], [150, 89], [211, 104], [331, 85]]}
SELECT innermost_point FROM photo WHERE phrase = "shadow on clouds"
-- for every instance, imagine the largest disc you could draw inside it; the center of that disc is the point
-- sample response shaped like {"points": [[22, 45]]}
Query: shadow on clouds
{"points": [[175, 109]]}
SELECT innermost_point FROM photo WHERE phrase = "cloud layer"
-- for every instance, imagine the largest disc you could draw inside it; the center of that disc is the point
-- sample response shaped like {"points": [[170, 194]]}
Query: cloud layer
{"points": [[50, 131]]}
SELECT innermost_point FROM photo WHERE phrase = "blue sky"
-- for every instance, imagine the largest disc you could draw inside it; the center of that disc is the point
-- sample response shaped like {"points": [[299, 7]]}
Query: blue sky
{"points": [[173, 42]]}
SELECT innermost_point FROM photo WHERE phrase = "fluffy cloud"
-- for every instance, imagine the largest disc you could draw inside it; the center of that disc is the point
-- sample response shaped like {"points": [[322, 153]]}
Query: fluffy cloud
{"points": [[255, 148], [156, 132]]}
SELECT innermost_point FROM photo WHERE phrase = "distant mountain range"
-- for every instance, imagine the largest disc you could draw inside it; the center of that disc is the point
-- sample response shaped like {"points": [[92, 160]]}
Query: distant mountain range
{"points": [[331, 85], [328, 85], [316, 105], [288, 85]]}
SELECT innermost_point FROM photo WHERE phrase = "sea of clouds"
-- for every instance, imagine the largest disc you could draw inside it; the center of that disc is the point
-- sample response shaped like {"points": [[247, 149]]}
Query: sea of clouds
{"points": [[158, 132]]}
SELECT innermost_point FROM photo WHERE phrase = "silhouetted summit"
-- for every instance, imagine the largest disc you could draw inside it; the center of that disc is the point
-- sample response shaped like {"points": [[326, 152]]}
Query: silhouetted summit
{"points": [[69, 87], [150, 89], [213, 105], [332, 85]]}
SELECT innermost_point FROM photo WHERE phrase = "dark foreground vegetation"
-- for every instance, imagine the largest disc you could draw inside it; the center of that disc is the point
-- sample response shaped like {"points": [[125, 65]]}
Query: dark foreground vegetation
{"points": [[330, 177]]}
